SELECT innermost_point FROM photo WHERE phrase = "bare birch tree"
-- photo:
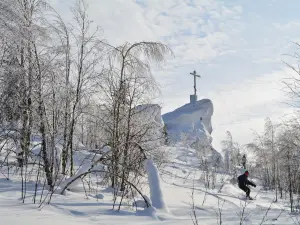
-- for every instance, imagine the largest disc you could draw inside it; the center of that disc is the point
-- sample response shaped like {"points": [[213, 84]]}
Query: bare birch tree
{"points": [[129, 83]]}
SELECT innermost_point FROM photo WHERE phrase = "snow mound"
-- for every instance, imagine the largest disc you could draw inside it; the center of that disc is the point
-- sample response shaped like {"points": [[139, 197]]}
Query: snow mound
{"points": [[194, 119], [156, 193], [191, 123], [149, 116], [97, 196], [152, 111]]}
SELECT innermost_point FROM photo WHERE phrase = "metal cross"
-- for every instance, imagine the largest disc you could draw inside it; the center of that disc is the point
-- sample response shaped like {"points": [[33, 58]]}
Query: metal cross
{"points": [[195, 75]]}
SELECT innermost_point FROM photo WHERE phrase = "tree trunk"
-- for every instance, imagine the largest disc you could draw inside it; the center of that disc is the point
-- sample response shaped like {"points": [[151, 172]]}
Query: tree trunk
{"points": [[290, 183], [41, 112], [67, 106]]}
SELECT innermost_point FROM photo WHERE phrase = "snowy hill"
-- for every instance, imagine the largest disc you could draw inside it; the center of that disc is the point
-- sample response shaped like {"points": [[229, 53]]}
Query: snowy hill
{"points": [[194, 119], [194, 122]]}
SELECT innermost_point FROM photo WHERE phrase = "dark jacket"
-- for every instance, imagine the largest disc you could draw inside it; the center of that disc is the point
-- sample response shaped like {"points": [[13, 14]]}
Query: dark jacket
{"points": [[243, 181]]}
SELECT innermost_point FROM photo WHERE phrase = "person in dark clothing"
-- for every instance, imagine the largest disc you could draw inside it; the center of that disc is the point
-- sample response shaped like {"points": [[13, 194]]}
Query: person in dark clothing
{"points": [[243, 182]]}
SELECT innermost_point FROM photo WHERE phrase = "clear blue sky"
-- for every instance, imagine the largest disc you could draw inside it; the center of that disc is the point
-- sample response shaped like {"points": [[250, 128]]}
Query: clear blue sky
{"points": [[236, 46]]}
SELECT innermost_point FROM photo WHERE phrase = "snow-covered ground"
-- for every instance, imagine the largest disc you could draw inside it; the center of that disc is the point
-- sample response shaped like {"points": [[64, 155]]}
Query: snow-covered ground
{"points": [[177, 181]]}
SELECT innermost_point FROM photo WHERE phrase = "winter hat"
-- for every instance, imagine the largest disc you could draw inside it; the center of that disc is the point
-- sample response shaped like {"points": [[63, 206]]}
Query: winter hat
{"points": [[246, 172]]}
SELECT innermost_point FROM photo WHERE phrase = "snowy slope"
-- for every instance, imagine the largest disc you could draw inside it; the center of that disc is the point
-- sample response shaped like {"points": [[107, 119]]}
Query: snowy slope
{"points": [[179, 178], [194, 119], [87, 202]]}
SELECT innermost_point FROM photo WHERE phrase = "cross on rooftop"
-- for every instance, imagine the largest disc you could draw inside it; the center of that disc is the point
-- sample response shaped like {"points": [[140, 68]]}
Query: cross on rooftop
{"points": [[195, 75]]}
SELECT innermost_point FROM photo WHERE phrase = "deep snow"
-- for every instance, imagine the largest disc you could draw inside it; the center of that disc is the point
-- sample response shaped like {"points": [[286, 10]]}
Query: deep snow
{"points": [[178, 178]]}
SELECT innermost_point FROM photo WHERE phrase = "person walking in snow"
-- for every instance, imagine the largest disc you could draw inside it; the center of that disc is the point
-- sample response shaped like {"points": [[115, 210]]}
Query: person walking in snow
{"points": [[243, 182]]}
